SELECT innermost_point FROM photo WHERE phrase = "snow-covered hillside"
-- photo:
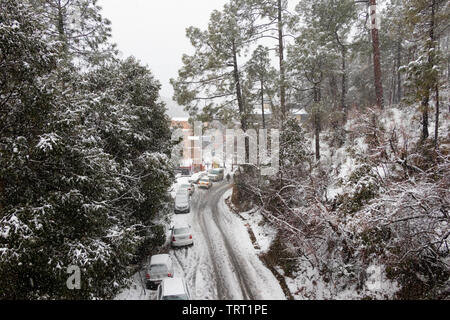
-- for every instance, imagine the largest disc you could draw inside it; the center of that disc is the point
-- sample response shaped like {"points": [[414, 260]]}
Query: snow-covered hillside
{"points": [[370, 221]]}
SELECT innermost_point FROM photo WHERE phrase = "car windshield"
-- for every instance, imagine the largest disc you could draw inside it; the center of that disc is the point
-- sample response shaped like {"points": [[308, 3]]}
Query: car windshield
{"points": [[177, 297], [158, 268], [204, 180], [215, 171], [180, 231], [185, 186]]}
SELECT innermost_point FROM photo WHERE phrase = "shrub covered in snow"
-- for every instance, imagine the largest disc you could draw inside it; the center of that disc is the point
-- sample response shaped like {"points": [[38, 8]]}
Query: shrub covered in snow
{"points": [[384, 234]]}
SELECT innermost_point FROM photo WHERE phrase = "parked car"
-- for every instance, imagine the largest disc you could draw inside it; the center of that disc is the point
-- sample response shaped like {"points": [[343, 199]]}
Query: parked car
{"points": [[173, 289], [189, 187], [216, 174], [205, 183], [185, 172], [182, 236], [182, 202], [160, 267], [195, 179]]}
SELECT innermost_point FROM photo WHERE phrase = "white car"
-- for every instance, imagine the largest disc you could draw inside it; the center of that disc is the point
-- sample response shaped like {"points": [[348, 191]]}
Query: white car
{"points": [[205, 183], [182, 236], [213, 177], [187, 187], [196, 177], [216, 174], [160, 267], [182, 202], [173, 289]]}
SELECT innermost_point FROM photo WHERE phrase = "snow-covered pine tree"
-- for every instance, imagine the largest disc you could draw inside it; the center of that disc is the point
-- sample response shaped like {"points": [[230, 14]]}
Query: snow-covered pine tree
{"points": [[79, 26], [134, 128], [70, 194]]}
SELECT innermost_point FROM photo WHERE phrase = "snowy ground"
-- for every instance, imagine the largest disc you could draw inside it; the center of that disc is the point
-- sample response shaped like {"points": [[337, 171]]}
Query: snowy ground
{"points": [[223, 263], [137, 291], [264, 233]]}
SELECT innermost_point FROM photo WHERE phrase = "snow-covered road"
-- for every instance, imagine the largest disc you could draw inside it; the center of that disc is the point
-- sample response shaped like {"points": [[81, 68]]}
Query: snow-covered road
{"points": [[222, 264]]}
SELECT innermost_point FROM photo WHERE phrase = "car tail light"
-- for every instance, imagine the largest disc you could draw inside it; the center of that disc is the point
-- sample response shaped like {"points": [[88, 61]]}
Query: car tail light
{"points": [[169, 275], [147, 276], [173, 239], [190, 237]]}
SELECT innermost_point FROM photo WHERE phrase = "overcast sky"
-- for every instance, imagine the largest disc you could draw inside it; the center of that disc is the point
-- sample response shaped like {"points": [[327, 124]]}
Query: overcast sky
{"points": [[154, 31]]}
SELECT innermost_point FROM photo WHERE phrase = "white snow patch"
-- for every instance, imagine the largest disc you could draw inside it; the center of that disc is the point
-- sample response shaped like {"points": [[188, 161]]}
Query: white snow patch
{"points": [[136, 291], [48, 141]]}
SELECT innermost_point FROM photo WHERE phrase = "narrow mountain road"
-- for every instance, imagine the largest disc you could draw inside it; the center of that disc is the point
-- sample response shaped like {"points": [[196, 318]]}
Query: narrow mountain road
{"points": [[222, 264]]}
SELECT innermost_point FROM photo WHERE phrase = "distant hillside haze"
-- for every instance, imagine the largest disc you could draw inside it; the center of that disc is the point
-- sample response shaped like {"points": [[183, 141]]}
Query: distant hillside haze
{"points": [[173, 109]]}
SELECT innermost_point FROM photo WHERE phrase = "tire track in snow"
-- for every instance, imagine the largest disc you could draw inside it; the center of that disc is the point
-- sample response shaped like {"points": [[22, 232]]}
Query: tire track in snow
{"points": [[219, 266], [239, 270], [230, 278], [256, 280], [219, 278]]}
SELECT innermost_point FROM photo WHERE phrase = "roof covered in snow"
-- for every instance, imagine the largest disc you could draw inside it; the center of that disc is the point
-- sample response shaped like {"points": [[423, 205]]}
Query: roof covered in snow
{"points": [[160, 259], [299, 112], [173, 287], [180, 119]]}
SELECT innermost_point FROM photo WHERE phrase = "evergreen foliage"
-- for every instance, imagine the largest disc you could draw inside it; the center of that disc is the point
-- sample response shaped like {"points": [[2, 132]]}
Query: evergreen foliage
{"points": [[84, 156]]}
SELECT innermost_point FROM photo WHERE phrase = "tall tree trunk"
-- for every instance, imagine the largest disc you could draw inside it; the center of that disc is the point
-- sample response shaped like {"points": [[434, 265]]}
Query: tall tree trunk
{"points": [[425, 102], [281, 56], [60, 21], [436, 129], [238, 89], [317, 124], [242, 111], [399, 77], [376, 54], [344, 84], [317, 134], [61, 28], [262, 104], [429, 87], [392, 85], [334, 91]]}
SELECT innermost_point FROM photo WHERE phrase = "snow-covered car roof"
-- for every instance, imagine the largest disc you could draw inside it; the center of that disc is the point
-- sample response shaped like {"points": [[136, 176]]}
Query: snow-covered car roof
{"points": [[173, 287], [185, 185], [182, 195], [181, 225], [160, 259], [197, 175]]}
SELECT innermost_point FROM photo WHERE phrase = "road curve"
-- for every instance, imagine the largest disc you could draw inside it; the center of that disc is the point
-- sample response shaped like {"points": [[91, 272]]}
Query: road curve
{"points": [[220, 265]]}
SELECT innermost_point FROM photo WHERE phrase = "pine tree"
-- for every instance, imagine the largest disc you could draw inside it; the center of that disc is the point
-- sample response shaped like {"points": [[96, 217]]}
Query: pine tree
{"points": [[79, 26], [260, 75], [212, 75], [425, 20], [334, 21], [269, 20], [376, 53], [312, 59]]}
